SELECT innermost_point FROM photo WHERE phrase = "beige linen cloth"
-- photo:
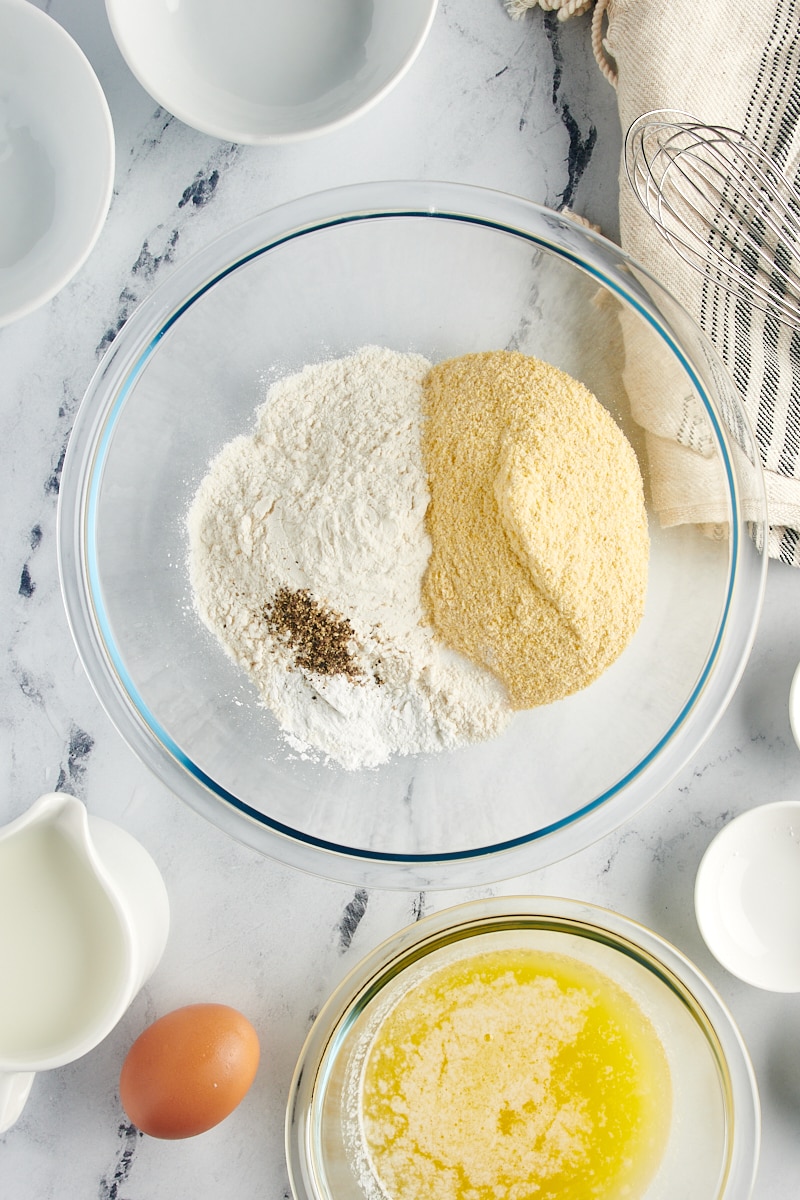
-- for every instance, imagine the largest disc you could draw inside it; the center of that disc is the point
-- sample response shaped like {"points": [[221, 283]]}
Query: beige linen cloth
{"points": [[734, 63]]}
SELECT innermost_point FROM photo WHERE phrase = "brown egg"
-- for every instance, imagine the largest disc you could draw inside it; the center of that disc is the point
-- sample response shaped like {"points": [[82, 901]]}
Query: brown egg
{"points": [[188, 1070]]}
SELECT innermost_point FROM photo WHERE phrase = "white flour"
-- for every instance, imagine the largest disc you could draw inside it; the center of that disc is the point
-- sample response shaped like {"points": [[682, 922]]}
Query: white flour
{"points": [[328, 498]]}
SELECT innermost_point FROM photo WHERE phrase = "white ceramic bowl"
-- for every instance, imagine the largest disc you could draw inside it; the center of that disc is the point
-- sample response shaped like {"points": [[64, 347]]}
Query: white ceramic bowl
{"points": [[794, 705], [56, 158], [270, 71], [747, 896]]}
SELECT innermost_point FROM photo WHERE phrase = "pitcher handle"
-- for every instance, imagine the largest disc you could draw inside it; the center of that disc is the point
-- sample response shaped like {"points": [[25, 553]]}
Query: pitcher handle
{"points": [[15, 1088]]}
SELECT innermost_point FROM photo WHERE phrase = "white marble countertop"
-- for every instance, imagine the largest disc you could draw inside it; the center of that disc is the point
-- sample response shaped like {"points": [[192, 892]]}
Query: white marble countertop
{"points": [[519, 106]]}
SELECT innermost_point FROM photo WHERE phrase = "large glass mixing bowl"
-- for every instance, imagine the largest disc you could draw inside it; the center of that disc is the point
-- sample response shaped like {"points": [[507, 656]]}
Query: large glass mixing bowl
{"points": [[440, 269]]}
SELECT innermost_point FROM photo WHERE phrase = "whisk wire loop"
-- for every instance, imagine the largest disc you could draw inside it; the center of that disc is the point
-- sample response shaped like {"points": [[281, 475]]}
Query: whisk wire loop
{"points": [[723, 205]]}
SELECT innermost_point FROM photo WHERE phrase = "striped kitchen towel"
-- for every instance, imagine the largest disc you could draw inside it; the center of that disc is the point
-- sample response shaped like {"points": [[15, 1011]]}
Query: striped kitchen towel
{"points": [[726, 63]]}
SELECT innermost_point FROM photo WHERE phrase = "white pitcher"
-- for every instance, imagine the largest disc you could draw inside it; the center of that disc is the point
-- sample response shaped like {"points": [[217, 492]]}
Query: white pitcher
{"points": [[84, 918]]}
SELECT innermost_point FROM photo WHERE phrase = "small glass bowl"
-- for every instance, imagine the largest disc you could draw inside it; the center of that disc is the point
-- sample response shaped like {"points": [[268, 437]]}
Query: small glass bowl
{"points": [[713, 1139]]}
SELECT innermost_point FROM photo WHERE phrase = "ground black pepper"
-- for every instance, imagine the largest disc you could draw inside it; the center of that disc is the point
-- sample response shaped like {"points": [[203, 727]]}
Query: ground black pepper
{"points": [[319, 637]]}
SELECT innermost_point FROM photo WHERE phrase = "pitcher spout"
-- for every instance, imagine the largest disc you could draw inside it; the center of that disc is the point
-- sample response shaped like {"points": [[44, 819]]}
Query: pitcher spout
{"points": [[84, 918], [14, 1091]]}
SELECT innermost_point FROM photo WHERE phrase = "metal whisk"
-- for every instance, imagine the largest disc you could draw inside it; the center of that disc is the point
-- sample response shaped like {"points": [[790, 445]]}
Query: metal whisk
{"points": [[722, 204]]}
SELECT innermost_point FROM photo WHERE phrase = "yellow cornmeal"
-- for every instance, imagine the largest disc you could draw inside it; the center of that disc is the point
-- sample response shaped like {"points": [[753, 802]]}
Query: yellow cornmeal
{"points": [[538, 569], [515, 1075]]}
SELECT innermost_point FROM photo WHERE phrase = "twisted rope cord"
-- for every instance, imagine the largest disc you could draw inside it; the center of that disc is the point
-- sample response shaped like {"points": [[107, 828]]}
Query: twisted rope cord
{"points": [[574, 8], [601, 55], [564, 8]]}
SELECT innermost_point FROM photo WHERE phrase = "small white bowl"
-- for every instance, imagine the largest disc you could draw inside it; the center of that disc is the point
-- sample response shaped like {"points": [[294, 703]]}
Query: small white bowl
{"points": [[56, 158], [271, 70], [794, 705], [747, 896]]}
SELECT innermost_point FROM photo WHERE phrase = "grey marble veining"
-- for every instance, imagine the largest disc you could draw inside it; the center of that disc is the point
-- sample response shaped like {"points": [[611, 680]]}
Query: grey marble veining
{"points": [[518, 106]]}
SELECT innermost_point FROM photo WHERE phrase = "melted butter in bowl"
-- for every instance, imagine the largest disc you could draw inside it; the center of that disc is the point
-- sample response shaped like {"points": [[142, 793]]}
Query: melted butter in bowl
{"points": [[523, 1048], [514, 1072]]}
